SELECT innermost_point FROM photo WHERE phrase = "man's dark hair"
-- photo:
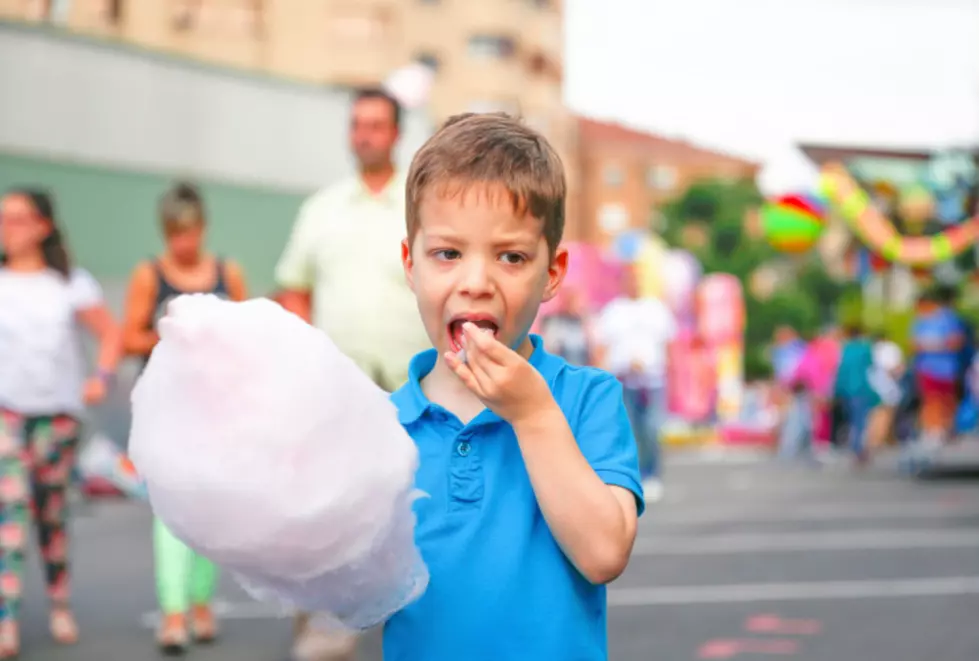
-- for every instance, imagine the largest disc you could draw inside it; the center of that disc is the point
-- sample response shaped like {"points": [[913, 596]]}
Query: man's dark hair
{"points": [[365, 93]]}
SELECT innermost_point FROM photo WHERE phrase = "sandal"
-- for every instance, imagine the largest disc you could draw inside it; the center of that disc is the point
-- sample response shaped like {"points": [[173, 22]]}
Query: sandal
{"points": [[171, 637], [203, 624], [64, 629]]}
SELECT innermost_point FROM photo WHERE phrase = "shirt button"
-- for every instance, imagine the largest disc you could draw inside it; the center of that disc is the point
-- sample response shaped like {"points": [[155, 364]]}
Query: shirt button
{"points": [[463, 449]]}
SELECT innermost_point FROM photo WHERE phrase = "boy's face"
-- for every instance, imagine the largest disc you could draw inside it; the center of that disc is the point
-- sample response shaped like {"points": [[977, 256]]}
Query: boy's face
{"points": [[473, 258]]}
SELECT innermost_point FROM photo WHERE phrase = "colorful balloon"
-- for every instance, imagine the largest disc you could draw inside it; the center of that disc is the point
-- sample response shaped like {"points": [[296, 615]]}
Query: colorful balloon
{"points": [[793, 223]]}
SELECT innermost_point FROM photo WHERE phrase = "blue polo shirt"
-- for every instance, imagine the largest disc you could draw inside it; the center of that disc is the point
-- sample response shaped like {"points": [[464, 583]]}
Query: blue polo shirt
{"points": [[500, 587]]}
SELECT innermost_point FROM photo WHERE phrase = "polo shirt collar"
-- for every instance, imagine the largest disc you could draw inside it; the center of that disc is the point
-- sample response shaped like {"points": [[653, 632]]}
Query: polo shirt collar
{"points": [[414, 403], [392, 192]]}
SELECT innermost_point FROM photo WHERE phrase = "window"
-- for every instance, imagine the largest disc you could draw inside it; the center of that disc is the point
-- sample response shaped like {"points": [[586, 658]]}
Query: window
{"points": [[430, 60], [613, 218], [661, 177], [612, 174], [485, 47]]}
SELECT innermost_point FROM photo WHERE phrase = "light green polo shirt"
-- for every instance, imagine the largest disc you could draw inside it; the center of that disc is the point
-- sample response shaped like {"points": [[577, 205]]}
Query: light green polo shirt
{"points": [[346, 249]]}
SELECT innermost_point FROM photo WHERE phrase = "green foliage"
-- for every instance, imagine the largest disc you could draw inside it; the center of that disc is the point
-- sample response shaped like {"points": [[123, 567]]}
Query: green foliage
{"points": [[720, 210]]}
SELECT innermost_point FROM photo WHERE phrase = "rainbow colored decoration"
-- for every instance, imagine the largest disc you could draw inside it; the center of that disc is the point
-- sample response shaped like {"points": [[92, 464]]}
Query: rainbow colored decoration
{"points": [[878, 232], [793, 223]]}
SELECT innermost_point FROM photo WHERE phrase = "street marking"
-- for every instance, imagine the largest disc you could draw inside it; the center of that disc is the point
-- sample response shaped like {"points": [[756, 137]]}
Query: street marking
{"points": [[728, 649], [690, 516], [856, 540], [229, 610], [773, 624], [816, 591]]}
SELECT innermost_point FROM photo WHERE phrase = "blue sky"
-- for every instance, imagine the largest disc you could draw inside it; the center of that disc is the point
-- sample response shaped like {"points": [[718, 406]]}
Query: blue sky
{"points": [[755, 76]]}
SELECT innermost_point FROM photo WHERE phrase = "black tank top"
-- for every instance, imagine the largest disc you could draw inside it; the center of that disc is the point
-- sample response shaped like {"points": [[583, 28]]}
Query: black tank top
{"points": [[166, 292]]}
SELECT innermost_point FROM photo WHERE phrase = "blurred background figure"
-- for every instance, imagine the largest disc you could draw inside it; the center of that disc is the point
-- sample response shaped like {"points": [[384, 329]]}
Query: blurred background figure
{"points": [[853, 389], [632, 335], [44, 301], [185, 580], [567, 329], [938, 341]]}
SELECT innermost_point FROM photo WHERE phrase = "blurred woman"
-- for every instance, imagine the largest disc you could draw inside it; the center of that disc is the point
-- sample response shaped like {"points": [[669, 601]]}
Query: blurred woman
{"points": [[43, 390], [185, 581]]}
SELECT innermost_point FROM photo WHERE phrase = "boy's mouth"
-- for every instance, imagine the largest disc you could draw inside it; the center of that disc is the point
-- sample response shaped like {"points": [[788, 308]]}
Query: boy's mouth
{"points": [[455, 328]]}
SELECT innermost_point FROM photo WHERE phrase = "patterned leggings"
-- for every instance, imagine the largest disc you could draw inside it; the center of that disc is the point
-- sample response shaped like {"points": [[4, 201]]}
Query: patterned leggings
{"points": [[36, 457]]}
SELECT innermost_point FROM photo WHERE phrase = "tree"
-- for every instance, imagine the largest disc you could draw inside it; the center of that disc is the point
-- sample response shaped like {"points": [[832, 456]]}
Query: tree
{"points": [[710, 220]]}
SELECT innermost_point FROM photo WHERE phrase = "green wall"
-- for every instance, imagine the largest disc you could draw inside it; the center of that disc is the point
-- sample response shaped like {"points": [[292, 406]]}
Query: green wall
{"points": [[109, 216]]}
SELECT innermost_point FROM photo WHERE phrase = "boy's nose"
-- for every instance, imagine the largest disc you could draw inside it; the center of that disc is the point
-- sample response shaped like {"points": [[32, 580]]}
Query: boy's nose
{"points": [[476, 280]]}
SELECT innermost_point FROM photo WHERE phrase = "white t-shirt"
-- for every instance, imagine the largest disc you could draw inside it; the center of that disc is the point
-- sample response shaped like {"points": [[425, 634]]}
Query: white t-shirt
{"points": [[41, 365], [636, 330]]}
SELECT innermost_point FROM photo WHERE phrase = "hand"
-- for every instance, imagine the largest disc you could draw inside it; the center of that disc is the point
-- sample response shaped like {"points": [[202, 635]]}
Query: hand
{"points": [[506, 383], [94, 391], [636, 367]]}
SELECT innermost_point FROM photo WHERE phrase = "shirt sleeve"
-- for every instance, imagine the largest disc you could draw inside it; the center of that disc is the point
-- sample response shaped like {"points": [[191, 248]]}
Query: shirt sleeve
{"points": [[605, 436], [84, 290], [295, 269]]}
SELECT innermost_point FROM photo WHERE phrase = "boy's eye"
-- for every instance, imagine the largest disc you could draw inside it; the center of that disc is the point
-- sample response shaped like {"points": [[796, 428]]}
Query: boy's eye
{"points": [[446, 255], [512, 258]]}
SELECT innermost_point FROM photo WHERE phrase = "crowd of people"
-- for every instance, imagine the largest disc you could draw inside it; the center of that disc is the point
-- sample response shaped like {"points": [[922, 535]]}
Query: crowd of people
{"points": [[847, 392]]}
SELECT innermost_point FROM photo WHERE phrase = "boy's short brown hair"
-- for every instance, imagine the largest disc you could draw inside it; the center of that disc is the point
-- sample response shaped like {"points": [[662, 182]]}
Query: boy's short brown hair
{"points": [[491, 148]]}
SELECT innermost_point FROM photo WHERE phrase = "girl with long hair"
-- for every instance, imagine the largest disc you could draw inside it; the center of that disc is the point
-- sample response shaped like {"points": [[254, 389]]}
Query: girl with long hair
{"points": [[44, 300], [185, 580]]}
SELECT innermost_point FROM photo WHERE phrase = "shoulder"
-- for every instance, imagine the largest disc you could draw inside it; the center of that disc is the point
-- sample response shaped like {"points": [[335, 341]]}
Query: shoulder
{"points": [[585, 391], [85, 289], [144, 272], [232, 269], [79, 277]]}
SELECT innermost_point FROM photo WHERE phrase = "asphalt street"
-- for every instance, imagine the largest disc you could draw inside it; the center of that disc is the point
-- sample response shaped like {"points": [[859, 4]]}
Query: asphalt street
{"points": [[742, 560]]}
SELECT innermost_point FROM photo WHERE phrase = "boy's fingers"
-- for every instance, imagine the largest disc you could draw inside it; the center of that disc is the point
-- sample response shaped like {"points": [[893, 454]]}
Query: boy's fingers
{"points": [[485, 343]]}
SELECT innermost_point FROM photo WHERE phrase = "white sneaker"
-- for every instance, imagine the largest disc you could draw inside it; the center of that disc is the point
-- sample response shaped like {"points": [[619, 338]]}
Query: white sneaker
{"points": [[652, 490]]}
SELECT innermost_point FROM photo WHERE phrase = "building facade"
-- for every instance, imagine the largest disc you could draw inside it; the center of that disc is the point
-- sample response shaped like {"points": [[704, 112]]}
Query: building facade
{"points": [[488, 55], [627, 174]]}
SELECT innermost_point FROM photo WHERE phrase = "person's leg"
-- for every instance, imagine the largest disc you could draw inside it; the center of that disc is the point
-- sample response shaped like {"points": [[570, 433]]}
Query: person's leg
{"points": [[54, 441], [15, 462], [203, 582], [172, 562], [634, 400], [792, 434], [655, 419], [859, 413]]}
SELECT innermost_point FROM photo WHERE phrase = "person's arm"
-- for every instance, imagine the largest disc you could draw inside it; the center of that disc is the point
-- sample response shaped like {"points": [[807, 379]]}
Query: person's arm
{"points": [[234, 276], [138, 335], [294, 274], [93, 314], [587, 487]]}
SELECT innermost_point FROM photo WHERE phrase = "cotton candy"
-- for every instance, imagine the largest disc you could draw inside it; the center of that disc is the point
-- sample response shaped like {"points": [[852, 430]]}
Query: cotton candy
{"points": [[267, 450]]}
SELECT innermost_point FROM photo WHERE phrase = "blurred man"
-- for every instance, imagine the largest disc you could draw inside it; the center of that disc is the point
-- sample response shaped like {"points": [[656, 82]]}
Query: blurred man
{"points": [[341, 270], [632, 335]]}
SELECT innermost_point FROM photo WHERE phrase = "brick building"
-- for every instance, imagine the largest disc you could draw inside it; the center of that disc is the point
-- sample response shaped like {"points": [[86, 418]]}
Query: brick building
{"points": [[625, 174]]}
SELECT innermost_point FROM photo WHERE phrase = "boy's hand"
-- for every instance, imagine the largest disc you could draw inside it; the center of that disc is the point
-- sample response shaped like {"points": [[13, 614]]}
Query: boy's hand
{"points": [[506, 383]]}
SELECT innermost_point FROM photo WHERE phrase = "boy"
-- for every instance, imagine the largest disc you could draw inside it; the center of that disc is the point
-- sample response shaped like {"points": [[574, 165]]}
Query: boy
{"points": [[529, 463]]}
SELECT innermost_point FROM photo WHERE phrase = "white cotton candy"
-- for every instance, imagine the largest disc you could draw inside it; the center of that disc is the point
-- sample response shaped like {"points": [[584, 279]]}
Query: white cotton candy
{"points": [[267, 450]]}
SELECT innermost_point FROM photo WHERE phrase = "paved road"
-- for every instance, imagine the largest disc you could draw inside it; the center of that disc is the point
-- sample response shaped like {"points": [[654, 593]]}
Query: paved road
{"points": [[741, 561]]}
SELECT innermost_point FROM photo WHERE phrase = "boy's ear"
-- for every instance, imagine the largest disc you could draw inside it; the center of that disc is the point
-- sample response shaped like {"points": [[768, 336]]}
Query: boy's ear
{"points": [[408, 264], [556, 272]]}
